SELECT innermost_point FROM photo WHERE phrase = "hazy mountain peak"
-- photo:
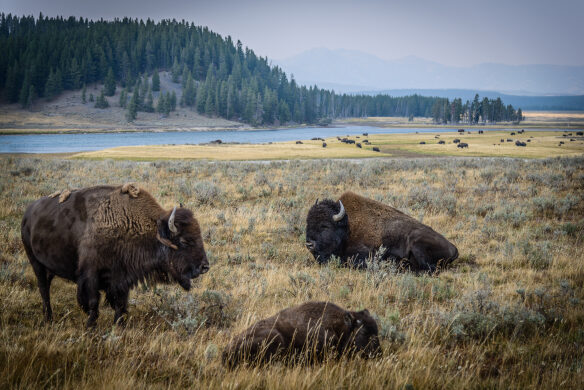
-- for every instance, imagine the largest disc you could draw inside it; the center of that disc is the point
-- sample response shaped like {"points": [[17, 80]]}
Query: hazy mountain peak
{"points": [[363, 71]]}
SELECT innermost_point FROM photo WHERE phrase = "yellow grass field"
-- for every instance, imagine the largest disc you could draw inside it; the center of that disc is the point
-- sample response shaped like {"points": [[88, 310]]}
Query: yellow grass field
{"points": [[507, 314], [540, 144]]}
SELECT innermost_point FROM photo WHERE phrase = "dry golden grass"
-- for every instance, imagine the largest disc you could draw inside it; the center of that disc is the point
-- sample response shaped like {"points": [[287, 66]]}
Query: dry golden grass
{"points": [[542, 145], [275, 151], [507, 314], [571, 120]]}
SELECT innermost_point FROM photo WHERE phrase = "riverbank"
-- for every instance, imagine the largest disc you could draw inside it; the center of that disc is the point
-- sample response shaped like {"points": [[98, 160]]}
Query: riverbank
{"points": [[68, 115]]}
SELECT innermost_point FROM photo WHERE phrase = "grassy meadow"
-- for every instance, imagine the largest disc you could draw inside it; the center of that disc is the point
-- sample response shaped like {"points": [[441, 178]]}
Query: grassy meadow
{"points": [[539, 144], [507, 314]]}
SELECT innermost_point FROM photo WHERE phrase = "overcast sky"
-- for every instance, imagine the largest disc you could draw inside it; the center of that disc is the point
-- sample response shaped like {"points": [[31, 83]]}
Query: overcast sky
{"points": [[452, 32]]}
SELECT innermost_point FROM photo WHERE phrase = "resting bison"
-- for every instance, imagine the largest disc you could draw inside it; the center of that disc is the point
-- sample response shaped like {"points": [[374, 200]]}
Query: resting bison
{"points": [[462, 145], [355, 227], [110, 238], [310, 331]]}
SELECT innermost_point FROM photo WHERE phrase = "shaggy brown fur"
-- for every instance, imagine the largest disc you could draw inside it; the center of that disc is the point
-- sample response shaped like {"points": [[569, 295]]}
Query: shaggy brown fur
{"points": [[110, 238], [307, 331], [368, 225]]}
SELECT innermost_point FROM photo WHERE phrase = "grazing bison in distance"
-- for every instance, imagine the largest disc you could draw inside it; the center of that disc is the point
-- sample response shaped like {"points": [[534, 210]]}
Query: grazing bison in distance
{"points": [[310, 331], [354, 228], [110, 238]]}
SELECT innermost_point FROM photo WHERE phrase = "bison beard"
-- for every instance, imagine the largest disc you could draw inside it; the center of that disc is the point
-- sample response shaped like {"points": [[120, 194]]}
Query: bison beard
{"points": [[305, 333], [109, 239], [354, 228]]}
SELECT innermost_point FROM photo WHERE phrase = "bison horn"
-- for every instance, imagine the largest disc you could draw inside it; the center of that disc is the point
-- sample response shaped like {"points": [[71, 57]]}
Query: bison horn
{"points": [[341, 214], [171, 224]]}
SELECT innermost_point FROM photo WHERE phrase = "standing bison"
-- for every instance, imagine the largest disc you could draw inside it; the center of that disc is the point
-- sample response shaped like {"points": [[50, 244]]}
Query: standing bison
{"points": [[354, 227], [110, 238], [310, 330]]}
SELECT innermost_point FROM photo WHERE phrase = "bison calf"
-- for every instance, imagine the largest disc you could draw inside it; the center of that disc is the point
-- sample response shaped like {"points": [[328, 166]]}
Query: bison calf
{"points": [[108, 239], [305, 333], [354, 228]]}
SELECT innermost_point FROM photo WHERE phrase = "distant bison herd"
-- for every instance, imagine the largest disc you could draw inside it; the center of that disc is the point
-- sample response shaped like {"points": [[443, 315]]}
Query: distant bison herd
{"points": [[463, 145], [110, 238]]}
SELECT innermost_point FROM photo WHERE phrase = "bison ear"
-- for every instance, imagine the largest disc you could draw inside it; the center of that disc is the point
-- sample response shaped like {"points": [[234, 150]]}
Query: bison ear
{"points": [[365, 311], [349, 318]]}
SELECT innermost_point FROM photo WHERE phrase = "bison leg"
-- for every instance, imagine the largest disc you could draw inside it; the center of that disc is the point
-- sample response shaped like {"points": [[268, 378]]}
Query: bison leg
{"points": [[44, 279], [356, 256], [119, 302], [88, 296]]}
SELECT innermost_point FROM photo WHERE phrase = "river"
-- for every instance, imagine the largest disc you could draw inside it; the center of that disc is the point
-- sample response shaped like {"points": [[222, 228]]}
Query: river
{"points": [[78, 142]]}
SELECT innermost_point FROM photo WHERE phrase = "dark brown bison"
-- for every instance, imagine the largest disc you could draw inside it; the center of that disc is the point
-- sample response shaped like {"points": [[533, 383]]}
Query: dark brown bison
{"points": [[354, 228], [308, 331], [110, 238]]}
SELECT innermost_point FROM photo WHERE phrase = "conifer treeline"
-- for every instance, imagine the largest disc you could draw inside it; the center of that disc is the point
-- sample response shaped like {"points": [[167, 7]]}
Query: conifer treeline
{"points": [[44, 56]]}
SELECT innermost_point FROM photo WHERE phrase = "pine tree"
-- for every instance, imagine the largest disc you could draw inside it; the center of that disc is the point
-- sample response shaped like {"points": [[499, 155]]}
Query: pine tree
{"points": [[50, 86], [101, 101], [175, 71], [110, 83], [24, 91], [172, 101], [155, 81], [83, 95], [11, 84], [189, 93], [201, 97], [123, 98], [148, 104], [132, 113], [30, 98], [160, 106]]}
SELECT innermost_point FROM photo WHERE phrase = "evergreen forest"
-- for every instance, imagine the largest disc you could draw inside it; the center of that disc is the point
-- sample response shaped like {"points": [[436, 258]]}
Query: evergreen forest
{"points": [[44, 56]]}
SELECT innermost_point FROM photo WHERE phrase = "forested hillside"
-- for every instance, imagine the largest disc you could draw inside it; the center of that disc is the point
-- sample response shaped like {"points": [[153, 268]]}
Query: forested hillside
{"points": [[43, 57]]}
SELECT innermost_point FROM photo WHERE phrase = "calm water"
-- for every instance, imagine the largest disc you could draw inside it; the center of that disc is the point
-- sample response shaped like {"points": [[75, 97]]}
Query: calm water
{"points": [[66, 143]]}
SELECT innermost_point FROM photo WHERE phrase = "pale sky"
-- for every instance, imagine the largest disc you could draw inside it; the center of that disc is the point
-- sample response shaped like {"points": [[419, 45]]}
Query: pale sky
{"points": [[451, 32]]}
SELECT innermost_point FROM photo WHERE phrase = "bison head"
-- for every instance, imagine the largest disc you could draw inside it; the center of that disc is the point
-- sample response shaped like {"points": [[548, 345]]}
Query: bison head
{"points": [[186, 259], [327, 228], [364, 338]]}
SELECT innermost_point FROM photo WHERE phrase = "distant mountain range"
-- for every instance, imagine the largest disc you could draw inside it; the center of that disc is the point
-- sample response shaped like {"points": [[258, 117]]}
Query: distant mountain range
{"points": [[354, 71]]}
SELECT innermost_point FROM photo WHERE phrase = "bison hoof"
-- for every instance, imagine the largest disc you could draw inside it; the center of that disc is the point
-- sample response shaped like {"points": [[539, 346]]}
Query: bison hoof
{"points": [[131, 189]]}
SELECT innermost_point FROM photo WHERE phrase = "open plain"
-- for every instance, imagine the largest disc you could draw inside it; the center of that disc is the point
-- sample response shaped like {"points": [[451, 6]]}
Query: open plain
{"points": [[502, 143], [507, 314]]}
